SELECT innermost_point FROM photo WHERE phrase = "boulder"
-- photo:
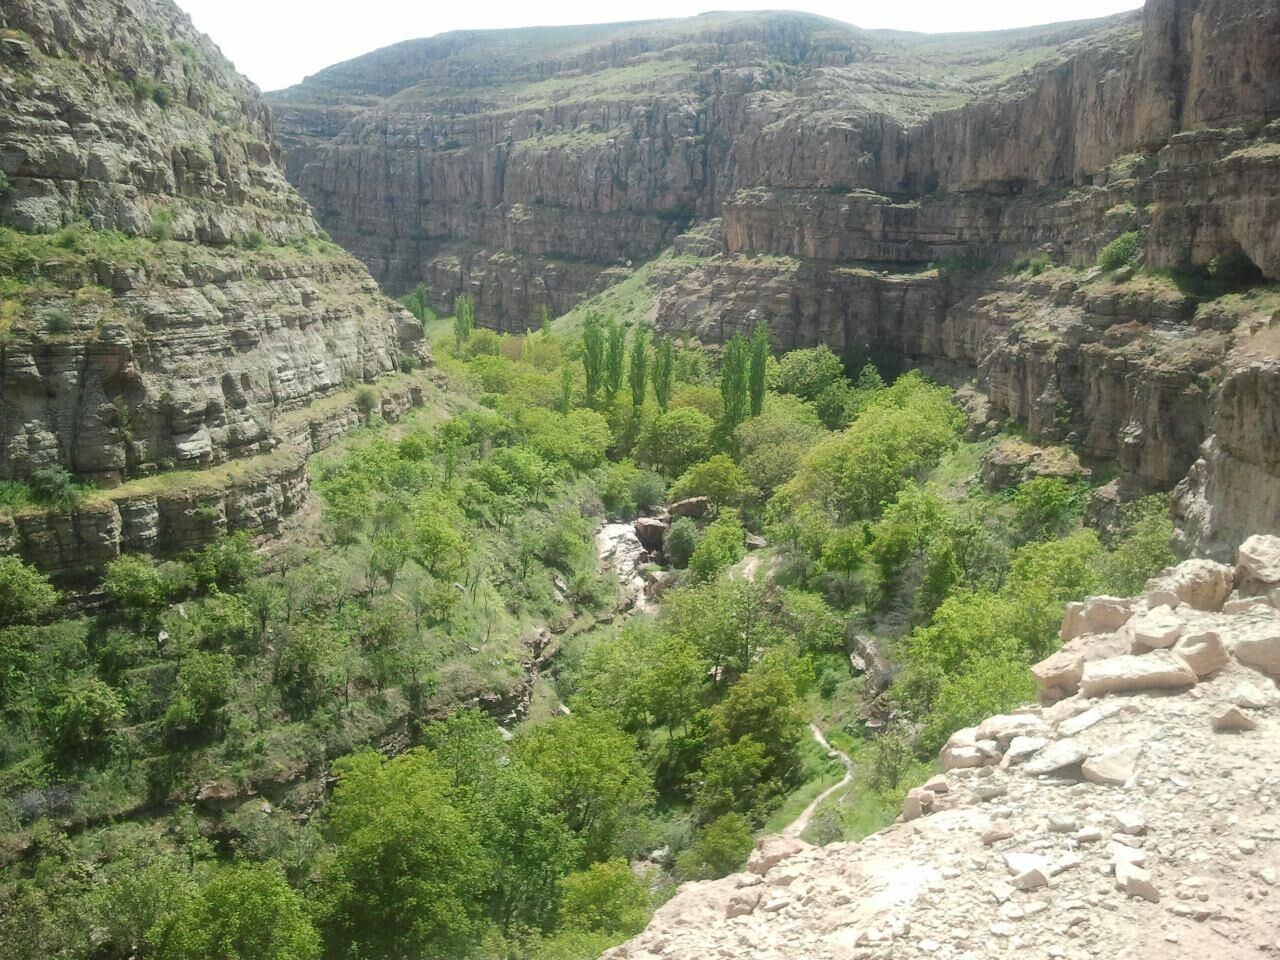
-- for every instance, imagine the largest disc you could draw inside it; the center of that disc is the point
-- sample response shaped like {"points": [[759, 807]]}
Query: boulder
{"points": [[650, 531], [1003, 728], [1095, 615], [1233, 720], [1156, 629], [1201, 584], [771, 851], [1057, 756], [1258, 645], [1114, 767], [1059, 674], [1259, 560], [1203, 652], [695, 507], [1155, 671]]}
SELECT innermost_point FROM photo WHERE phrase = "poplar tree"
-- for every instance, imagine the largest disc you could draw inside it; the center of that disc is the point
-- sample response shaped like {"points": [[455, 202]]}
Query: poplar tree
{"points": [[733, 384], [662, 364], [615, 358], [592, 356], [759, 360], [639, 368], [464, 318]]}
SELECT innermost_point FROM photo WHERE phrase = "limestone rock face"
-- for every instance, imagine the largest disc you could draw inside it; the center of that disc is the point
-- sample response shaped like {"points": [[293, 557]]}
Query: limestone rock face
{"points": [[867, 196], [1119, 834], [170, 302]]}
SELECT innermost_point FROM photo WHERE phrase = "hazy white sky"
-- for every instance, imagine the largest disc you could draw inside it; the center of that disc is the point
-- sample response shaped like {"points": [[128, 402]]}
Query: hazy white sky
{"points": [[278, 42]]}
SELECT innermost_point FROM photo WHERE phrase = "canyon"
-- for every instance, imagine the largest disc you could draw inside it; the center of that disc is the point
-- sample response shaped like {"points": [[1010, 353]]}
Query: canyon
{"points": [[866, 190]]}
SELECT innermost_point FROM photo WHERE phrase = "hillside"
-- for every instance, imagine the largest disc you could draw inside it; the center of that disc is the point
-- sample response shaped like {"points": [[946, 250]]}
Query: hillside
{"points": [[179, 334]]}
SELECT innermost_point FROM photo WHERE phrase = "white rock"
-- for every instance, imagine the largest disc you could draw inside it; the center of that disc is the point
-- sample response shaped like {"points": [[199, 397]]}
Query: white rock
{"points": [[1155, 671], [1258, 645], [771, 851], [1114, 767], [1020, 748], [1056, 756], [1156, 628], [1095, 615], [1203, 652], [1061, 671], [1019, 863], [1131, 823], [1083, 721], [1005, 727], [1201, 584], [1233, 720], [1136, 882], [1259, 559]]}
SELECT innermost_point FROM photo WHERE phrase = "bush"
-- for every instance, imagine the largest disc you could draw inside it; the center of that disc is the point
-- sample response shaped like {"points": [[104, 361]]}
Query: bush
{"points": [[1121, 252], [648, 490], [82, 723], [605, 898], [255, 239], [135, 588], [722, 545], [58, 320], [807, 373], [161, 228], [227, 563], [720, 849], [25, 593], [366, 402], [55, 487], [680, 542]]}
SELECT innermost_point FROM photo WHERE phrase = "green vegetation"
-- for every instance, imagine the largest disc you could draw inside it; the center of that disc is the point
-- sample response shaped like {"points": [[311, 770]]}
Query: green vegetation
{"points": [[1123, 251], [163, 759]]}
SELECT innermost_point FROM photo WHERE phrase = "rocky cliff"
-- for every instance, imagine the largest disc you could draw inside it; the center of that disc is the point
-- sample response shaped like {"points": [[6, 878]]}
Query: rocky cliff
{"points": [[168, 301], [868, 190], [1131, 814]]}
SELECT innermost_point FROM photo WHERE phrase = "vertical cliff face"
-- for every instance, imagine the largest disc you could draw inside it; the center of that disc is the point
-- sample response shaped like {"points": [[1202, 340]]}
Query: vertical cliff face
{"points": [[168, 302], [841, 168]]}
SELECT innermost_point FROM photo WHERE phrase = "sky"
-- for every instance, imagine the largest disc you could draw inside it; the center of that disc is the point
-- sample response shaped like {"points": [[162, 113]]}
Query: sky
{"points": [[278, 42]]}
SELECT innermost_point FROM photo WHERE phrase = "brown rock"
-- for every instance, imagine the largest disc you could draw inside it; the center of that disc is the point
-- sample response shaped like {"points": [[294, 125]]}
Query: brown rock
{"points": [[1233, 720], [1127, 674], [650, 532]]}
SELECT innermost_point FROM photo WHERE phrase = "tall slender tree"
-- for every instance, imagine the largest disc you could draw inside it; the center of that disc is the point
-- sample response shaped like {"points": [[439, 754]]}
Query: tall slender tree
{"points": [[593, 356], [639, 368], [733, 385], [464, 318], [662, 364], [759, 361], [614, 359], [544, 321]]}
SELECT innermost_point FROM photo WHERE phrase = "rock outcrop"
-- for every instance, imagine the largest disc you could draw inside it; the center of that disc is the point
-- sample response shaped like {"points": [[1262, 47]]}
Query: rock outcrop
{"points": [[1136, 817], [168, 301], [867, 191]]}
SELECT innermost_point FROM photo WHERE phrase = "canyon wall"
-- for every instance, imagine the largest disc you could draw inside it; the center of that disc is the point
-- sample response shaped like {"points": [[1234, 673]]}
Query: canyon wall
{"points": [[167, 302], [869, 190]]}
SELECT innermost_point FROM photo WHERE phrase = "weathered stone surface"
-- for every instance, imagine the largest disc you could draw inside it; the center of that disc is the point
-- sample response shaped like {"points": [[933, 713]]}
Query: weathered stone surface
{"points": [[1155, 671], [1095, 615], [1233, 720], [1260, 560], [651, 531], [1200, 584], [1059, 673], [1113, 767], [1258, 645], [1056, 757], [1202, 651], [1156, 628], [695, 507]]}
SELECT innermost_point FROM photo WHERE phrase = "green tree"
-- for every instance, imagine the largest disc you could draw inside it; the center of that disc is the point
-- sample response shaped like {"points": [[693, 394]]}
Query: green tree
{"points": [[205, 682], [135, 589], [719, 849], [464, 319], [593, 773], [721, 546], [662, 367], [25, 594], [544, 321], [227, 563], [615, 358], [680, 542], [762, 706], [605, 898], [807, 373], [82, 724], [772, 444], [593, 357], [437, 534], [1046, 507], [672, 442], [408, 876], [244, 912], [733, 385], [564, 402], [758, 366], [733, 779], [719, 479], [639, 368]]}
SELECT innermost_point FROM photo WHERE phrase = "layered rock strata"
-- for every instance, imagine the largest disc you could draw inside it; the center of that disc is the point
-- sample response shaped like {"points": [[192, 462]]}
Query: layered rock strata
{"points": [[1133, 816], [167, 301]]}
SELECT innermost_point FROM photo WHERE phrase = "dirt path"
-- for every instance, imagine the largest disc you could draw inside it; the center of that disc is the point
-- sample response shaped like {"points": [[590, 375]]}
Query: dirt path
{"points": [[799, 824]]}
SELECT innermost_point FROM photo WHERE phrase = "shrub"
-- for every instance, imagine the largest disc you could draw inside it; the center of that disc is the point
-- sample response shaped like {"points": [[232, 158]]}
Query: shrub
{"points": [[25, 593], [366, 402], [721, 547], [719, 849], [161, 228], [255, 239], [648, 490], [226, 563], [135, 588], [605, 898], [58, 320], [81, 724], [680, 542], [807, 373], [54, 486], [1121, 252]]}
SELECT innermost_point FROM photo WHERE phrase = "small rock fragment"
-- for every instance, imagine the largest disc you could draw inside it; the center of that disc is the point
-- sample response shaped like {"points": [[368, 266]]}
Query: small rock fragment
{"points": [[1233, 720], [1114, 767]]}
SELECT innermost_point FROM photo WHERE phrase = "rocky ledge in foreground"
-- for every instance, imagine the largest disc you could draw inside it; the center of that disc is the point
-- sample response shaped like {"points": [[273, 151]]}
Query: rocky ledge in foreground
{"points": [[1135, 815]]}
